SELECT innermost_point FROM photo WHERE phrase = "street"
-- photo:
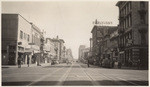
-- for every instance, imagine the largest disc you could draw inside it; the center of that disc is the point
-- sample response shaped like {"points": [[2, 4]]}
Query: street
{"points": [[75, 74]]}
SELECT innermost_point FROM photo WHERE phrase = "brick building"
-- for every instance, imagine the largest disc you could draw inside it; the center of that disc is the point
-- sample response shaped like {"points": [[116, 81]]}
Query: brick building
{"points": [[114, 45], [101, 42], [60, 48], [133, 32]]}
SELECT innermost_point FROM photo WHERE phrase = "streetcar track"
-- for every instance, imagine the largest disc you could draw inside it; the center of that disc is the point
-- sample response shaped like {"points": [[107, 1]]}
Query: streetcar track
{"points": [[92, 80], [43, 77], [64, 77], [117, 78]]}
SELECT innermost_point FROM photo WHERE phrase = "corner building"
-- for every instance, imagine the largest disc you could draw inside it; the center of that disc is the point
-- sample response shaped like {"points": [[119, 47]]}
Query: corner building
{"points": [[133, 32], [20, 38], [16, 34]]}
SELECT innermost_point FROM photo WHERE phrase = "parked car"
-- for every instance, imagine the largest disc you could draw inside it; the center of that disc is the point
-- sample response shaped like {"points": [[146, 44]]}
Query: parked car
{"points": [[107, 63], [54, 62]]}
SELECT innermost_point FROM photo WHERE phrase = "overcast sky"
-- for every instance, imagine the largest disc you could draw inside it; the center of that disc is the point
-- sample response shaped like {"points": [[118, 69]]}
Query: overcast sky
{"points": [[70, 20]]}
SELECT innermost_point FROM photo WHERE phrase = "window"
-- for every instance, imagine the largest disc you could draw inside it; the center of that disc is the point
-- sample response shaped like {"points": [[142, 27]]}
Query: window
{"points": [[130, 20], [143, 20], [142, 5], [21, 34], [28, 38], [130, 5], [24, 36]]}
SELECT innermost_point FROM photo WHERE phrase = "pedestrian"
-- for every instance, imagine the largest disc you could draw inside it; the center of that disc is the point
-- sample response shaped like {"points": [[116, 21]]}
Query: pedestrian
{"points": [[19, 62], [28, 60]]}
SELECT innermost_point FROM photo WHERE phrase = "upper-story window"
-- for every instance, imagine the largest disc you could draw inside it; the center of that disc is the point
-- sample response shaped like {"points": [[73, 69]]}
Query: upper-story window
{"points": [[21, 34], [28, 38], [130, 7], [24, 35], [143, 19], [142, 5]]}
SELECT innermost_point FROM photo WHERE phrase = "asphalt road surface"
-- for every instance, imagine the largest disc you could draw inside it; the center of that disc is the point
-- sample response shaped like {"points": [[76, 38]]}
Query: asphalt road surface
{"points": [[75, 74]]}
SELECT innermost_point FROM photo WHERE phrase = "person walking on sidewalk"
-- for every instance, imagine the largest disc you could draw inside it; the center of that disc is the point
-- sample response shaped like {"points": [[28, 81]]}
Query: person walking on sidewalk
{"points": [[28, 60], [19, 62]]}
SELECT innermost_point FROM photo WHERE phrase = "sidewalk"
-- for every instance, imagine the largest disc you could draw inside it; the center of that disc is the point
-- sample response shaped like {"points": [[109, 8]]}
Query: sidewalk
{"points": [[25, 65], [115, 67]]}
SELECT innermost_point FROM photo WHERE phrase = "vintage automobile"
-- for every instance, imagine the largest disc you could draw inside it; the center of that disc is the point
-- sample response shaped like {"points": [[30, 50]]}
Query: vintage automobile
{"points": [[107, 63]]}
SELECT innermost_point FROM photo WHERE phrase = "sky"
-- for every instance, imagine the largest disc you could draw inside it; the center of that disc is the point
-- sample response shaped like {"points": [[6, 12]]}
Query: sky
{"points": [[72, 21]]}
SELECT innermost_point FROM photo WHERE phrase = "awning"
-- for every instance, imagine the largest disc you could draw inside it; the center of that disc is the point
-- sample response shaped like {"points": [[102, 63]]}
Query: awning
{"points": [[36, 51], [21, 51]]}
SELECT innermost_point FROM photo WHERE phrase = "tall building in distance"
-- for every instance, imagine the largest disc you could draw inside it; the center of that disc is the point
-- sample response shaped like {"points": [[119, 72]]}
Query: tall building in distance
{"points": [[133, 32], [69, 55], [81, 47]]}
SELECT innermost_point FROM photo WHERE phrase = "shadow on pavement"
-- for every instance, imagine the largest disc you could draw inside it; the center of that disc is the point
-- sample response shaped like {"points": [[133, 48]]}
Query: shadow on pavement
{"points": [[79, 83]]}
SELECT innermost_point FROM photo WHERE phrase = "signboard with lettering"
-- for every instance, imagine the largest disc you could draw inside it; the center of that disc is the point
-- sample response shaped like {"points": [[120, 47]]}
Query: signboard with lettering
{"points": [[102, 23]]}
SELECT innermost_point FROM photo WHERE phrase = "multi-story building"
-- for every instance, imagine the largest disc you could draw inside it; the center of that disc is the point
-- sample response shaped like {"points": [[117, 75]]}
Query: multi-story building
{"points": [[85, 54], [69, 55], [81, 47], [60, 49], [114, 45], [50, 50], [57, 45], [16, 34], [100, 42], [133, 32], [37, 44], [20, 38], [106, 41]]}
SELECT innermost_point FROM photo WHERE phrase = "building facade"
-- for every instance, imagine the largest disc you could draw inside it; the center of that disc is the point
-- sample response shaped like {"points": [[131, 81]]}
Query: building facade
{"points": [[37, 45], [85, 54], [16, 34], [101, 42], [81, 47], [50, 50], [133, 32], [114, 45], [69, 55], [20, 39], [60, 48]]}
